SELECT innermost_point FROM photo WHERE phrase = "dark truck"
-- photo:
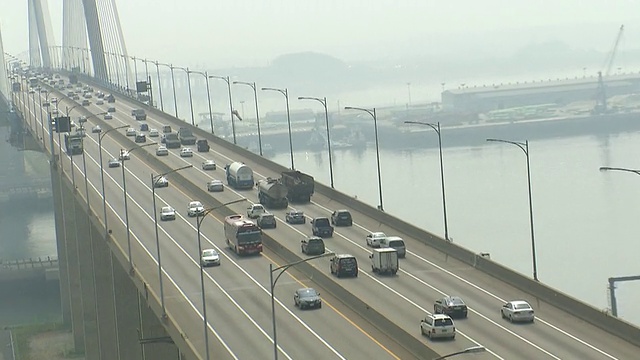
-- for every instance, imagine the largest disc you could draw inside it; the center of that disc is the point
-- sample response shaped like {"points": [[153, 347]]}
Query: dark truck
{"points": [[272, 194], [172, 141], [186, 136], [202, 145], [73, 143], [321, 227], [300, 186]]}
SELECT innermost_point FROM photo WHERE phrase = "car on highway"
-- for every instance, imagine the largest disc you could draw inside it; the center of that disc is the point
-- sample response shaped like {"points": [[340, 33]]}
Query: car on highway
{"points": [[307, 298], [209, 165], [320, 226], [113, 162], [341, 218], [111, 109], [215, 186], [295, 217], [194, 208], [453, 306], [186, 152], [162, 151], [82, 119], [210, 257], [266, 221], [141, 138], [438, 326], [108, 116], [312, 245], [131, 132], [99, 102], [161, 182], [124, 155], [344, 264], [167, 213], [375, 238], [96, 129], [86, 102], [154, 133], [394, 242], [517, 310], [255, 210], [144, 127]]}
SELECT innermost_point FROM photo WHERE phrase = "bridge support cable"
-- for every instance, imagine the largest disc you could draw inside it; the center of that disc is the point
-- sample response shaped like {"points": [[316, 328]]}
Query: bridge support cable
{"points": [[74, 32], [95, 39], [40, 34]]}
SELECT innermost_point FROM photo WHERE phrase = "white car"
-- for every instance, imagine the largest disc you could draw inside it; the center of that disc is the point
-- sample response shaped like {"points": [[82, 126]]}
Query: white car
{"points": [[254, 211], [167, 213], [161, 182], [99, 102], [162, 151], [215, 186], [208, 165], [108, 116], [438, 326], [124, 155], [195, 208], [154, 133], [210, 257], [131, 132], [374, 239], [113, 163], [186, 152], [517, 310], [96, 129]]}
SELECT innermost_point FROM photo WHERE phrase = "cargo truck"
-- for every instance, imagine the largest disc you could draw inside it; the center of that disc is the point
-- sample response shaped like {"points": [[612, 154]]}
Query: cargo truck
{"points": [[239, 175], [384, 261], [172, 141], [272, 193], [73, 143], [300, 186], [186, 136]]}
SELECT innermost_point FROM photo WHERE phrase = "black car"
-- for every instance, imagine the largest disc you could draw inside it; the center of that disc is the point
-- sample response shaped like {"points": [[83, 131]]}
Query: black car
{"points": [[341, 218], [453, 306], [312, 246], [307, 298], [141, 138], [295, 217], [320, 226]]}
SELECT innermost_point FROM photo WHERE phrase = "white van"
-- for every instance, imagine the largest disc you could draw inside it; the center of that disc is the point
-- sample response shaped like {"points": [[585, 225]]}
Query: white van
{"points": [[438, 326], [394, 242]]}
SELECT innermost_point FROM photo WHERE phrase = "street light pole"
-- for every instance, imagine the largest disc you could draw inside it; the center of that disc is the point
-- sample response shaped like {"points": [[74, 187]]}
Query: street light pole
{"points": [[372, 112], [104, 199], [524, 146], [159, 87], [126, 209], [206, 80], [285, 93], [233, 123], [255, 99], [272, 282], [173, 85], [470, 350], [199, 219], [323, 101], [154, 182], [190, 97], [436, 128]]}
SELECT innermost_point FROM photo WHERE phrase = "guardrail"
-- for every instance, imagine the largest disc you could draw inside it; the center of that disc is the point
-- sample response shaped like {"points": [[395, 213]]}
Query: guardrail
{"points": [[31, 263]]}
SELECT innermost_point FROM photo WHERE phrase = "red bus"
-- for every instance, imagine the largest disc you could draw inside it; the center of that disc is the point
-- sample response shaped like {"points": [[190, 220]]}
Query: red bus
{"points": [[242, 235]]}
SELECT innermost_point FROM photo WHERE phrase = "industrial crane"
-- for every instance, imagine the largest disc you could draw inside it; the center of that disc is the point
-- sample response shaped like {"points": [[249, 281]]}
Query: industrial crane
{"points": [[601, 95]]}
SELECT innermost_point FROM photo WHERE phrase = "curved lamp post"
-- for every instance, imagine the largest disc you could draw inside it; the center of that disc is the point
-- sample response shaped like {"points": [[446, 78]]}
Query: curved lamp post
{"points": [[104, 199], [255, 99], [607, 168], [285, 93], [524, 146], [471, 350], [372, 112], [323, 101], [186, 70], [206, 80], [160, 87], [233, 123], [272, 282], [154, 182], [436, 128], [124, 190], [199, 219]]}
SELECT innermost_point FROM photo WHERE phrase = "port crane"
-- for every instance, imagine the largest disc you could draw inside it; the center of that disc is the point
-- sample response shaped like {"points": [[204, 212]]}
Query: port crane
{"points": [[601, 94]]}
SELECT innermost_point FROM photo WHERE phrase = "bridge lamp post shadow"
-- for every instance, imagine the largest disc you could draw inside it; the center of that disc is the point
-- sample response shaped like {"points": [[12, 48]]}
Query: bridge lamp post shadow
{"points": [[436, 128], [524, 146], [470, 350], [255, 99], [124, 190], [199, 218], [154, 183], [188, 72], [206, 80], [372, 112], [323, 101], [104, 198], [272, 282], [233, 123], [285, 93]]}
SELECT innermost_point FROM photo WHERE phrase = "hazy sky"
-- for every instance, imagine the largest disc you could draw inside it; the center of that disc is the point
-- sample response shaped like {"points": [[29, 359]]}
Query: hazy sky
{"points": [[221, 33]]}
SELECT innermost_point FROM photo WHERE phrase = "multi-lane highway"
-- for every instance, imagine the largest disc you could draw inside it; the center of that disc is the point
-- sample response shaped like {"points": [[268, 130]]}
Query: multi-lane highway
{"points": [[237, 292]]}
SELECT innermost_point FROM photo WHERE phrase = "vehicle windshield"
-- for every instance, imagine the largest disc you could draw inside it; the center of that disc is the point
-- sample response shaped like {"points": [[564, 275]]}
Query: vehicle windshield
{"points": [[443, 322], [209, 253], [457, 301], [522, 306], [308, 293], [195, 204], [321, 222], [247, 238], [396, 243], [348, 263], [167, 209]]}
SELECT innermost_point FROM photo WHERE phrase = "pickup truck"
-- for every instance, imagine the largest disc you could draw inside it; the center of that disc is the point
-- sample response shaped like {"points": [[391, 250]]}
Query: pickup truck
{"points": [[321, 226]]}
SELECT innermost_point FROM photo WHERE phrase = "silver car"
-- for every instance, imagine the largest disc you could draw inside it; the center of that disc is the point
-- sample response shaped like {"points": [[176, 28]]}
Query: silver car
{"points": [[131, 132], [194, 208], [215, 186], [167, 213], [186, 152], [161, 182], [374, 239], [113, 162], [208, 165], [210, 257], [162, 151], [517, 310]]}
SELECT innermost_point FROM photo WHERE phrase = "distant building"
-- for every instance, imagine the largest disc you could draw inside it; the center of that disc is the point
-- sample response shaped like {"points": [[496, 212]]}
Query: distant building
{"points": [[503, 96]]}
